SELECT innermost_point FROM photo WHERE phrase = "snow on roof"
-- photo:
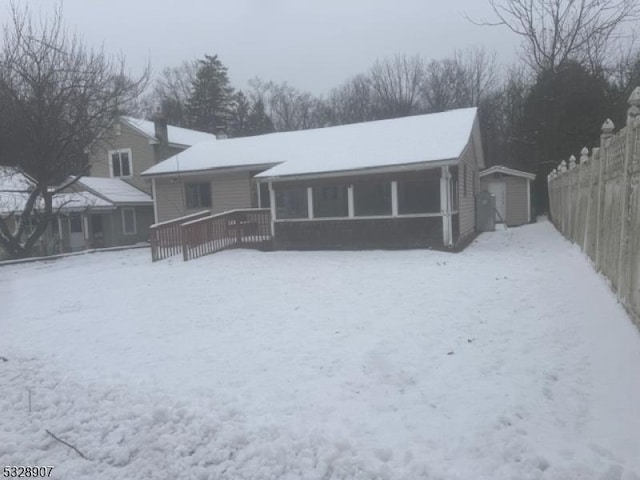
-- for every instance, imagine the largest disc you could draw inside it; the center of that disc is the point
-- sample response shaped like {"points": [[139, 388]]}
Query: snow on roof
{"points": [[177, 135], [507, 171], [15, 188], [115, 190], [382, 143]]}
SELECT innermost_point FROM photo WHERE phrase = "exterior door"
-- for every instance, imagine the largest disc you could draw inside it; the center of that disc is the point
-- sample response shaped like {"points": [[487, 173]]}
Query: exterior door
{"points": [[76, 233], [499, 189]]}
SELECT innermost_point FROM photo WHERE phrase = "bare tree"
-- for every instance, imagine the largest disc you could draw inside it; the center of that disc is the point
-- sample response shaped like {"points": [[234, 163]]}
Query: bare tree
{"points": [[555, 31], [57, 98], [352, 102], [395, 84], [288, 107], [462, 80], [170, 93]]}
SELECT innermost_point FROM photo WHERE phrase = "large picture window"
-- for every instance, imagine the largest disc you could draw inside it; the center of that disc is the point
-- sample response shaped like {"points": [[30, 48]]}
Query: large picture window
{"points": [[292, 203], [198, 195], [372, 199], [120, 161], [330, 201]]}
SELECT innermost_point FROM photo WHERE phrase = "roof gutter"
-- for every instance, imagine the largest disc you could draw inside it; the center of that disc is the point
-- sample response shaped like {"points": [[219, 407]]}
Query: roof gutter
{"points": [[226, 169], [408, 167]]}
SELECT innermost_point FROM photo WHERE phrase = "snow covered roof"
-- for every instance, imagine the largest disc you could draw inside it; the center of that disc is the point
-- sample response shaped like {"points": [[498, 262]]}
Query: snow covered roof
{"points": [[383, 143], [507, 171], [15, 188], [177, 135], [115, 190]]}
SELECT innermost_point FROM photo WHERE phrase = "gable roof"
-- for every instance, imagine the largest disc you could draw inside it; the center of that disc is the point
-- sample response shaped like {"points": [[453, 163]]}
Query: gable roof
{"points": [[115, 190], [15, 188], [178, 136], [383, 143], [507, 171]]}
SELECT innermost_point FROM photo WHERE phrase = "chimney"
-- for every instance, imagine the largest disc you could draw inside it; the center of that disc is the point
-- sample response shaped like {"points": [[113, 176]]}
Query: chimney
{"points": [[162, 135], [220, 133]]}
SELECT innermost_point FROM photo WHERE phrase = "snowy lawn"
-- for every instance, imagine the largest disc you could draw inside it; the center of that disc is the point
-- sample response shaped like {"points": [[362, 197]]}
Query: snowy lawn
{"points": [[510, 360]]}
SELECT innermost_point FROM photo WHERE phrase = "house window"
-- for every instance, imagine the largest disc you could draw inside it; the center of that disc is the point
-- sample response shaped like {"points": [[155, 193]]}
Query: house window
{"points": [[120, 161], [198, 195], [292, 203], [330, 201], [372, 199], [129, 221], [419, 196], [265, 197]]}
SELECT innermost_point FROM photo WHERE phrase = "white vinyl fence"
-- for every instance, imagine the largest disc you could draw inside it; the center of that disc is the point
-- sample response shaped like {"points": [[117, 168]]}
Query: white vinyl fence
{"points": [[596, 204]]}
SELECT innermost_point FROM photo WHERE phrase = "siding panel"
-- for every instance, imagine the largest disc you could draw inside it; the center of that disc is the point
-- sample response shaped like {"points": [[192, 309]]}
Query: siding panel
{"points": [[228, 192], [467, 202]]}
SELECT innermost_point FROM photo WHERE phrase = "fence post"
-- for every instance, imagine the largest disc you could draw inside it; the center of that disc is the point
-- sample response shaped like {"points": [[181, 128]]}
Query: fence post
{"points": [[584, 161], [573, 194], [562, 168], [632, 112], [607, 132]]}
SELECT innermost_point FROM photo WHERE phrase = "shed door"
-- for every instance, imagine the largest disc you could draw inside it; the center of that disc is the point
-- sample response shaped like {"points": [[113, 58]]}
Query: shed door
{"points": [[499, 189]]}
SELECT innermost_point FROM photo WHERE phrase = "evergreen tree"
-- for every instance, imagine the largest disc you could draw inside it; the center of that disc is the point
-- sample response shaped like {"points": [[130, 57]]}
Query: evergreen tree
{"points": [[258, 122], [239, 115], [562, 114], [210, 104]]}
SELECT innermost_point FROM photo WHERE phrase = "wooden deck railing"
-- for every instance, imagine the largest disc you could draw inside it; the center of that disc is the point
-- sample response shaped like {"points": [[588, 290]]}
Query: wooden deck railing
{"points": [[248, 228], [166, 237]]}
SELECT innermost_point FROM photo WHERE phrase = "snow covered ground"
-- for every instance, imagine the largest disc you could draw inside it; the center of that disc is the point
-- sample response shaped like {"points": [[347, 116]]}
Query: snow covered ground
{"points": [[511, 360]]}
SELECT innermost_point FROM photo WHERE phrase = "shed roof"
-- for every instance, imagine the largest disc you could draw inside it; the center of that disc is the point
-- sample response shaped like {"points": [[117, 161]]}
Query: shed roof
{"points": [[177, 135], [507, 171], [383, 143]]}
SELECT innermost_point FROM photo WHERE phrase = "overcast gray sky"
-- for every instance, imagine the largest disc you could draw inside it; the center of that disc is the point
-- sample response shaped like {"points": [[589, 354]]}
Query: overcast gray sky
{"points": [[312, 44]]}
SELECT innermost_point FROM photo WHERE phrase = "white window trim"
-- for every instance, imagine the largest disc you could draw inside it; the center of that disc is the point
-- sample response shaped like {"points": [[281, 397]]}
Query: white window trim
{"points": [[135, 222], [120, 150]]}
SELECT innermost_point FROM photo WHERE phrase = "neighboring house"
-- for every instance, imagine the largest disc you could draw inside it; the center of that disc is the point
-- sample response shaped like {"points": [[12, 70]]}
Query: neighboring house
{"points": [[68, 210], [405, 182], [512, 191], [111, 206], [124, 221]]}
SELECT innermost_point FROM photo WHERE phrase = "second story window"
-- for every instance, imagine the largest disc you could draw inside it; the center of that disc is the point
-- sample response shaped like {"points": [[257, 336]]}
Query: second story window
{"points": [[120, 162]]}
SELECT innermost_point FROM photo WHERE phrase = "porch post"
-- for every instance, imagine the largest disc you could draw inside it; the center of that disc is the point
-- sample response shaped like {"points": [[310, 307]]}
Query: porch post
{"points": [[60, 237], [445, 207], [85, 228], [272, 199], [258, 192], [351, 210], [155, 199], [310, 202], [394, 198]]}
